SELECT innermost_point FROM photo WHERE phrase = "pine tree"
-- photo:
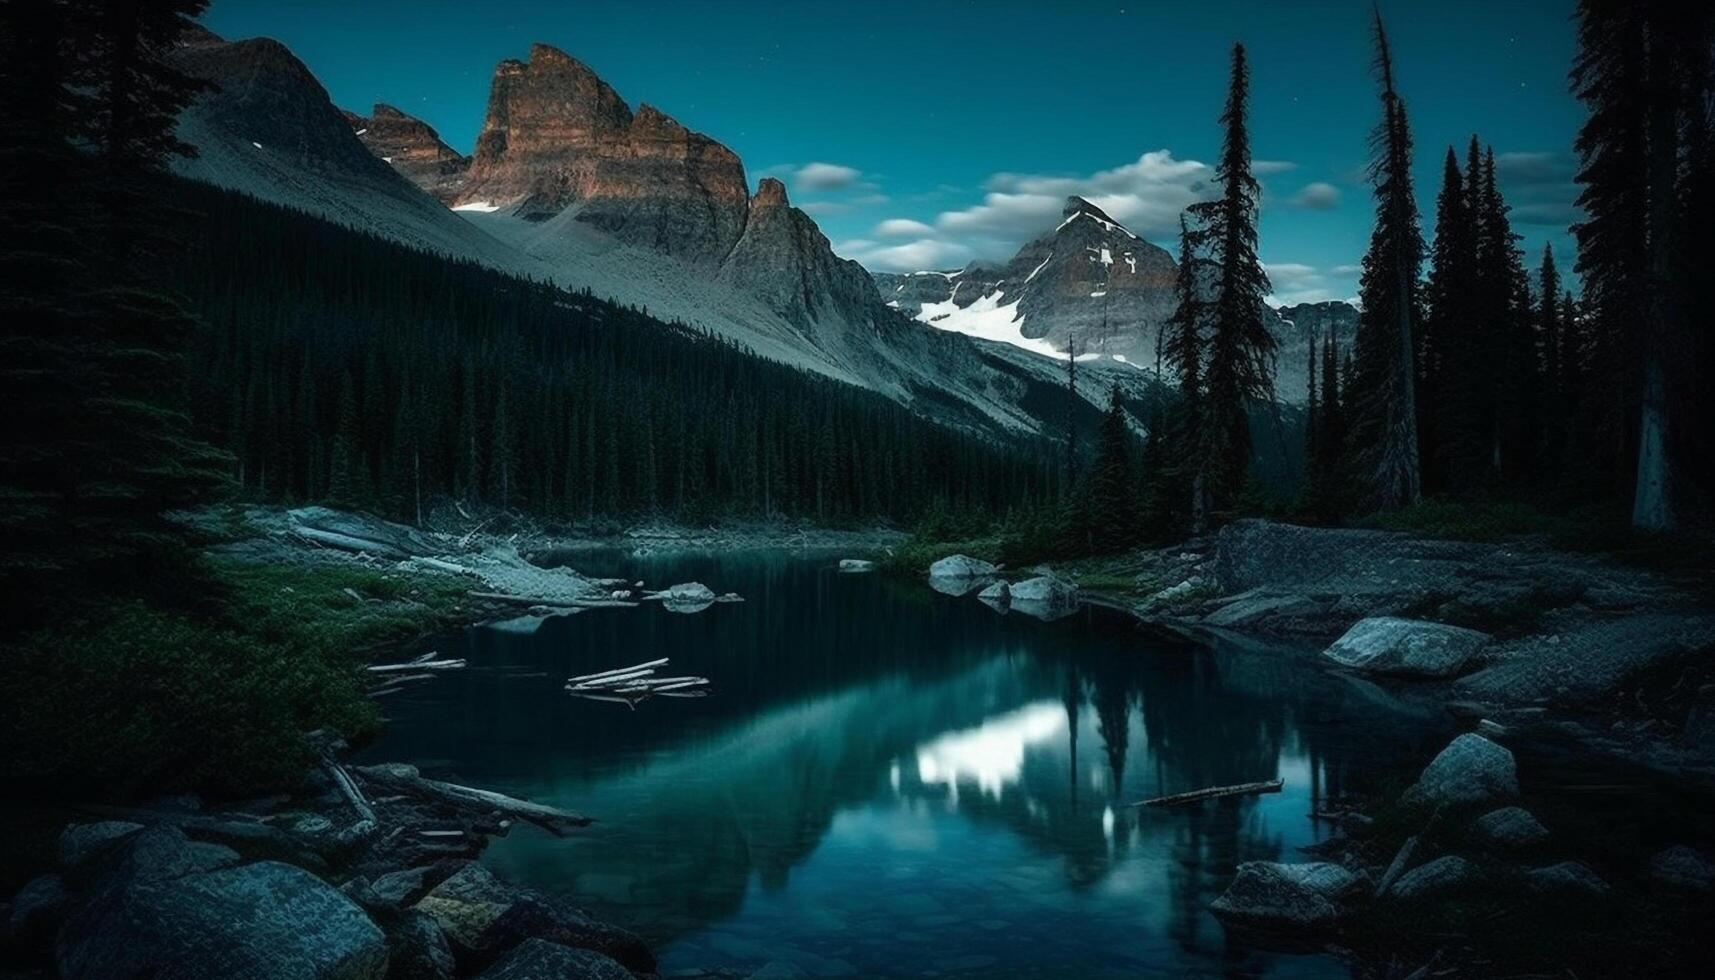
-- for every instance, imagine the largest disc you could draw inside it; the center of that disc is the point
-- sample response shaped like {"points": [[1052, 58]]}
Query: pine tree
{"points": [[1181, 494], [1445, 355], [1384, 387], [1112, 517], [1551, 344], [1241, 349], [100, 443]]}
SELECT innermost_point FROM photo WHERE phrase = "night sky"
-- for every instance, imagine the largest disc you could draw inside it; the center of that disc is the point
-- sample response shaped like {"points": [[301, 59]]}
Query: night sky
{"points": [[924, 134]]}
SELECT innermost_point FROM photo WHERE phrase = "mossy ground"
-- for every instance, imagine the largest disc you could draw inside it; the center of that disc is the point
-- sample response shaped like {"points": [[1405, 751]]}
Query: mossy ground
{"points": [[214, 694]]}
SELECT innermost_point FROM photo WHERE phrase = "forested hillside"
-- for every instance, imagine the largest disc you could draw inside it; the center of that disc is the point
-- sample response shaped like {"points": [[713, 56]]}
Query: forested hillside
{"points": [[337, 366]]}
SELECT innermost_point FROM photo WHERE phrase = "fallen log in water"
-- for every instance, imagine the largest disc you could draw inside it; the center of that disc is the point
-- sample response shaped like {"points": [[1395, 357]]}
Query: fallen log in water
{"points": [[405, 779], [366, 822], [426, 662], [1213, 792], [630, 685]]}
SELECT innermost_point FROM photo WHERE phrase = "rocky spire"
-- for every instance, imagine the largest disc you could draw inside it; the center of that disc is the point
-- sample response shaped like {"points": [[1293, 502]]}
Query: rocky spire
{"points": [[413, 148]]}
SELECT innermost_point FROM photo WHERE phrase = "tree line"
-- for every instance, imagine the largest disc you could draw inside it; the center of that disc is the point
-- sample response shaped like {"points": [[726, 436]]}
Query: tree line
{"points": [[1481, 378], [340, 367]]}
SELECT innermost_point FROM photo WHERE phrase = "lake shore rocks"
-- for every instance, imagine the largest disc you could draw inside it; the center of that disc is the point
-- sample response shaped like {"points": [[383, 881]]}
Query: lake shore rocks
{"points": [[1470, 772], [181, 891], [961, 574], [1271, 895], [1405, 647], [856, 565]]}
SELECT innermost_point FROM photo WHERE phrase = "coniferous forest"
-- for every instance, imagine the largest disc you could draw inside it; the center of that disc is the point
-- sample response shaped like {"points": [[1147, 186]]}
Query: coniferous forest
{"points": [[337, 367]]}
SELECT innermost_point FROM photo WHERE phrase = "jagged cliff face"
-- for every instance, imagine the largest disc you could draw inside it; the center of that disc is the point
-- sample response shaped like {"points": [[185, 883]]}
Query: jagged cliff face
{"points": [[556, 136], [1088, 280], [784, 259], [413, 148]]}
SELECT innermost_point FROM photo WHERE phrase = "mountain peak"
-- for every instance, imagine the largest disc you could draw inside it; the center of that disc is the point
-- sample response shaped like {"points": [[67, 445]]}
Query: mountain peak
{"points": [[1077, 207], [770, 192]]}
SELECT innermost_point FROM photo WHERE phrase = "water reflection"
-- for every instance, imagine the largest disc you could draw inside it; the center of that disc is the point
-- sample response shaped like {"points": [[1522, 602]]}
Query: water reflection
{"points": [[991, 754], [894, 782]]}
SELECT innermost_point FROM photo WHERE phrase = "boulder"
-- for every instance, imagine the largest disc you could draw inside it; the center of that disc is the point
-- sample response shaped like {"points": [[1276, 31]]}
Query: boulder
{"points": [[35, 915], [81, 841], [417, 949], [1406, 647], [1044, 597], [483, 917], [1267, 894], [160, 851], [540, 917], [856, 565], [1044, 588], [687, 597], [466, 903], [1682, 867], [999, 593], [1568, 878], [539, 959], [1433, 878], [688, 592], [962, 567], [1471, 771], [265, 921], [402, 887], [1511, 828]]}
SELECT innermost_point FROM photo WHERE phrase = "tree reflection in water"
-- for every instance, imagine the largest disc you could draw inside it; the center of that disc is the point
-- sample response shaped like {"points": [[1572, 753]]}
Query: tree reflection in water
{"points": [[888, 779]]}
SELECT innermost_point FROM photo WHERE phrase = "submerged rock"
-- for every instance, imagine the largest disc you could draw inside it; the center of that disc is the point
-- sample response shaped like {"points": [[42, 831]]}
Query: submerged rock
{"points": [[267, 921], [539, 959], [1298, 896], [1469, 772], [1406, 647], [1510, 828], [687, 597], [1682, 867], [856, 565], [1433, 878], [1567, 878]]}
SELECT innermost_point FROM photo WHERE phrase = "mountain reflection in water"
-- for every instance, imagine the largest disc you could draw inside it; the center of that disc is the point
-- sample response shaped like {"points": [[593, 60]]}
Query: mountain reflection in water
{"points": [[889, 781]]}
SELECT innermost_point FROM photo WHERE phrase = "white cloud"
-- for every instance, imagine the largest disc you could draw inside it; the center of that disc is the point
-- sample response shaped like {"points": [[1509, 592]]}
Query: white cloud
{"points": [[1296, 282], [903, 227], [824, 207], [1316, 196], [913, 256], [1146, 196], [820, 176]]}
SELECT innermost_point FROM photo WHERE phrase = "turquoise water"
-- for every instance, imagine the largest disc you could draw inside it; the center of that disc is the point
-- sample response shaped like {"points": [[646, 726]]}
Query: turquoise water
{"points": [[892, 782]]}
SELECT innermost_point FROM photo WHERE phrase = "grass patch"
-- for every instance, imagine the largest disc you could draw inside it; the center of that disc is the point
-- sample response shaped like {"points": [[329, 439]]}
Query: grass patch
{"points": [[140, 697]]}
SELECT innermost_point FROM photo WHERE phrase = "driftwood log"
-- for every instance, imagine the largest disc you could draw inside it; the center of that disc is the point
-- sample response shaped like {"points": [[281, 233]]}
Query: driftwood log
{"points": [[400, 778], [1214, 792]]}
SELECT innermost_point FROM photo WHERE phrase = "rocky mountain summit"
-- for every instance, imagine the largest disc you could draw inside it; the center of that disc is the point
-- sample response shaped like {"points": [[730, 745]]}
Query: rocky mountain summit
{"points": [[413, 148], [1089, 280], [557, 136], [1092, 280]]}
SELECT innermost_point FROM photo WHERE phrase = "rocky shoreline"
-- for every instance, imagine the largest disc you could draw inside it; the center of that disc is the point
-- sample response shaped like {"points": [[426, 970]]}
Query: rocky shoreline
{"points": [[1523, 644]]}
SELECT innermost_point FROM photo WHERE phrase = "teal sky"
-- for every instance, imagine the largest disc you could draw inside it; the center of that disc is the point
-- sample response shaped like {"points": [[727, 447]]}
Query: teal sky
{"points": [[925, 134]]}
